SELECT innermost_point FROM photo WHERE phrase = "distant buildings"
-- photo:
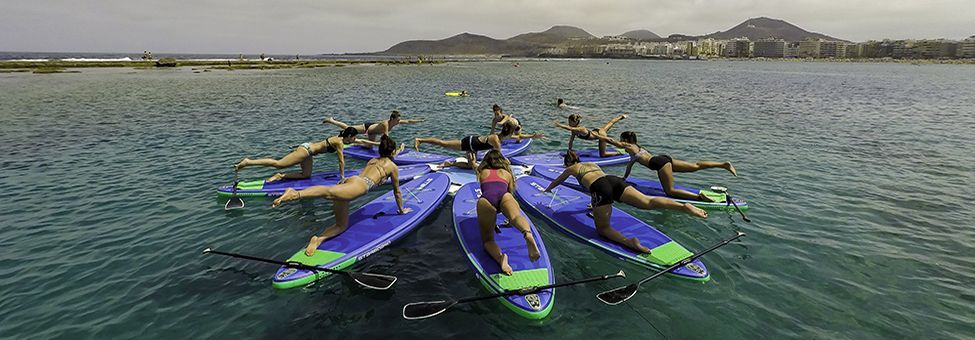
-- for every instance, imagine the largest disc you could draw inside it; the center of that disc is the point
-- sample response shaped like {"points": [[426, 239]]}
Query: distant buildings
{"points": [[738, 48], [769, 48], [966, 49]]}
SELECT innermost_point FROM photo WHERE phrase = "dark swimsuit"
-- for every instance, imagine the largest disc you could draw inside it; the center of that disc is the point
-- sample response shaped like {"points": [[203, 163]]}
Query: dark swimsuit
{"points": [[606, 189], [366, 125], [493, 188], [588, 135], [474, 144], [657, 162]]}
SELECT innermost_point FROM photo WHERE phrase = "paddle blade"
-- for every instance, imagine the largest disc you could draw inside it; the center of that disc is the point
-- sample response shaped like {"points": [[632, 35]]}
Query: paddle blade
{"points": [[234, 203], [618, 295], [373, 281], [423, 310]]}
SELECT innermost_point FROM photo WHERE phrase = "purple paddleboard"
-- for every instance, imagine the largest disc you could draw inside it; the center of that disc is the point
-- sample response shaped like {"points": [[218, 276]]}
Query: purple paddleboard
{"points": [[372, 227], [486, 269], [508, 148], [555, 158], [262, 188], [567, 209], [647, 187]]}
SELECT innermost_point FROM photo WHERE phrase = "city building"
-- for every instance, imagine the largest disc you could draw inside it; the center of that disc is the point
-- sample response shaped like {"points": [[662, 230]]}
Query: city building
{"points": [[769, 48], [937, 49], [966, 49], [828, 49], [809, 48], [904, 49], [710, 47], [738, 48], [792, 50]]}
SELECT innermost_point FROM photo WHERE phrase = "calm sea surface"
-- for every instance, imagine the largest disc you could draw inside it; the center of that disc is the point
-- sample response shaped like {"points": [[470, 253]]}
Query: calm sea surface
{"points": [[859, 177]]}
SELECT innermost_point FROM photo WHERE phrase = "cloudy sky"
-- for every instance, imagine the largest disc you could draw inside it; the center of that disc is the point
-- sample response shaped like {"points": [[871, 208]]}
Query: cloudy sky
{"points": [[328, 26]]}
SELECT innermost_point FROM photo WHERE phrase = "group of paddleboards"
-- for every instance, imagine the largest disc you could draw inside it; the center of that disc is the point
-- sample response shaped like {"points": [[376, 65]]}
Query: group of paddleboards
{"points": [[490, 186]]}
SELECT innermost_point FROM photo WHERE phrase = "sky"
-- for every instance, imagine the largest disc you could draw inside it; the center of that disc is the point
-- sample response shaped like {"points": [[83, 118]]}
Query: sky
{"points": [[328, 26]]}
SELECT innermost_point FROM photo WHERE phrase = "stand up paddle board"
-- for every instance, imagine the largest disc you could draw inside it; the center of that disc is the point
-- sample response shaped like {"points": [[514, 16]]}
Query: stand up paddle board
{"points": [[372, 227], [261, 188], [647, 187], [568, 209], [509, 148], [556, 158], [486, 269]]}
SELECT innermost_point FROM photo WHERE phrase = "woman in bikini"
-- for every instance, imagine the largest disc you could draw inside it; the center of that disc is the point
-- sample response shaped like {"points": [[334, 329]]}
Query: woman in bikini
{"points": [[375, 129], [664, 165], [376, 171], [578, 131], [472, 144], [605, 189], [497, 186], [503, 119], [303, 153]]}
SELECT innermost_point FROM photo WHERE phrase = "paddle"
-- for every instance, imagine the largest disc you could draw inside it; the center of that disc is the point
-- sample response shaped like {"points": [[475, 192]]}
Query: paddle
{"points": [[235, 202], [618, 295], [730, 201], [368, 280], [423, 310]]}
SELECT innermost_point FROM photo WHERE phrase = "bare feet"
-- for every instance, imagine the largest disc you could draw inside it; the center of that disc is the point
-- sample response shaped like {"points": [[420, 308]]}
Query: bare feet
{"points": [[242, 164], [691, 209], [623, 116], [505, 267], [289, 195], [533, 253], [276, 177], [313, 245], [634, 244], [416, 144], [329, 120], [730, 168]]}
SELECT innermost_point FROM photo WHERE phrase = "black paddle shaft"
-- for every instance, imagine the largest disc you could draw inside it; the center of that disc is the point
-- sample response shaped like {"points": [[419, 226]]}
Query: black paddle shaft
{"points": [[690, 259], [283, 263], [536, 289]]}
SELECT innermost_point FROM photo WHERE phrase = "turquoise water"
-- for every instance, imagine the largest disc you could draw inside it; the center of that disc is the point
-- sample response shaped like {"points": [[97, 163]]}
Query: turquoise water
{"points": [[858, 177]]}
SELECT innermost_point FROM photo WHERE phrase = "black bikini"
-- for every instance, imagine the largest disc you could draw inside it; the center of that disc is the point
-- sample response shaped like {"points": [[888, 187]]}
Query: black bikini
{"points": [[366, 125], [607, 189], [474, 144], [657, 162]]}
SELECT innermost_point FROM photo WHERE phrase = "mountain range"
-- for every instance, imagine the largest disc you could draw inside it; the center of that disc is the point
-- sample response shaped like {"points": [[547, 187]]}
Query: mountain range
{"points": [[531, 44]]}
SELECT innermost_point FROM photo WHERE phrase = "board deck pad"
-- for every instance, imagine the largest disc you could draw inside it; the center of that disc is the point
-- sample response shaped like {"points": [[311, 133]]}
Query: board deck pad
{"points": [[372, 227], [261, 188], [646, 186], [568, 210], [488, 271], [509, 148], [585, 155]]}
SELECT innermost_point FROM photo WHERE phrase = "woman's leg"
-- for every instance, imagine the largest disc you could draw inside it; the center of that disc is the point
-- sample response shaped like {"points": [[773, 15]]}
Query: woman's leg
{"points": [[601, 216], [306, 166], [487, 216], [341, 211], [345, 191], [290, 159], [449, 144], [340, 125], [637, 199], [512, 211], [682, 166], [603, 152], [610, 123], [666, 176]]}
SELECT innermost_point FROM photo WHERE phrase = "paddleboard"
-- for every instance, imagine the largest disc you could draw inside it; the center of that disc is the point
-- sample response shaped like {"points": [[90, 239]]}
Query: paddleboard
{"points": [[509, 148], [486, 269], [372, 227], [567, 209], [261, 188], [455, 94], [647, 187], [556, 158], [461, 176]]}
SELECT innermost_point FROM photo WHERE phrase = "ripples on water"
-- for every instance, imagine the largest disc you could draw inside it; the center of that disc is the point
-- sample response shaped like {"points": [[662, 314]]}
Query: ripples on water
{"points": [[858, 177]]}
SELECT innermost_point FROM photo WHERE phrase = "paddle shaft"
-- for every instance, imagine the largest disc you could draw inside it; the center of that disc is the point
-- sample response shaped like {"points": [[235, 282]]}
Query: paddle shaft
{"points": [[690, 259], [732, 201], [288, 264], [536, 289]]}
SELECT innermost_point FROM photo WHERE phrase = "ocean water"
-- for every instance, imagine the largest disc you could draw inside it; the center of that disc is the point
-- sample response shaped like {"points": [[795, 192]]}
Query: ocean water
{"points": [[858, 177]]}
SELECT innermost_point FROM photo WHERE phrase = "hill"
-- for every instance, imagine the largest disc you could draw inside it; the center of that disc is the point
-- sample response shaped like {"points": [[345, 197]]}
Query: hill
{"points": [[464, 43], [641, 35], [552, 36], [762, 27]]}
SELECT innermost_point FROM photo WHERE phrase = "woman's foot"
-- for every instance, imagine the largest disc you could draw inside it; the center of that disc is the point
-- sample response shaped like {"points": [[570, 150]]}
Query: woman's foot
{"points": [[313, 245], [276, 177], [416, 144], [505, 267], [623, 116], [242, 164], [691, 209], [730, 168], [634, 244], [288, 196], [329, 120], [533, 253]]}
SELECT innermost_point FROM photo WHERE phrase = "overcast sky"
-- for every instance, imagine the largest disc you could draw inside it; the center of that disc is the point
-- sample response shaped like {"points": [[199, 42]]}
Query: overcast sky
{"points": [[323, 26]]}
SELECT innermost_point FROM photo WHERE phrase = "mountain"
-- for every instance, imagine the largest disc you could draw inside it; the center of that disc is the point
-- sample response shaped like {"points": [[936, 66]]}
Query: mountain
{"points": [[464, 43], [762, 27], [554, 35], [641, 35]]}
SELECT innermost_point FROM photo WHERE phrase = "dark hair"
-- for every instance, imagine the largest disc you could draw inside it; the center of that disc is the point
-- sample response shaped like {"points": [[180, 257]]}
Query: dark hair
{"points": [[570, 158], [496, 108], [493, 159], [575, 117], [509, 129], [628, 137], [561, 101], [386, 147], [394, 115], [349, 132]]}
